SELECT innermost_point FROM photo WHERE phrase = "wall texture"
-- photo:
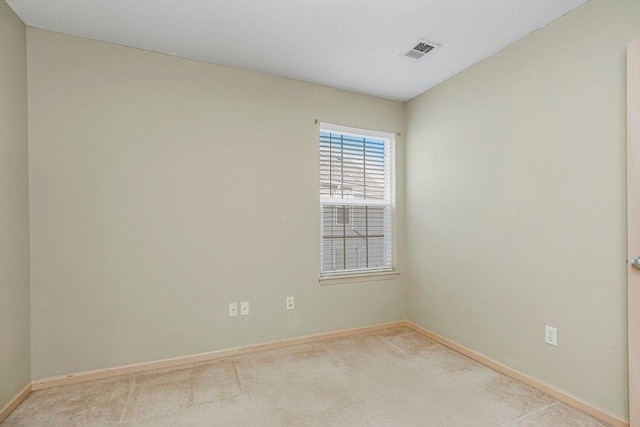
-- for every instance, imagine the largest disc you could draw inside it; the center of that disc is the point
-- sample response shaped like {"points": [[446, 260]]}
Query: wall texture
{"points": [[516, 204], [162, 189], [14, 208]]}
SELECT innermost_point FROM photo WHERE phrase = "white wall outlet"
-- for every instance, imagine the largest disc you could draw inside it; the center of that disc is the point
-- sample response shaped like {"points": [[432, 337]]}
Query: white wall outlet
{"points": [[233, 309], [244, 308], [551, 335], [290, 304]]}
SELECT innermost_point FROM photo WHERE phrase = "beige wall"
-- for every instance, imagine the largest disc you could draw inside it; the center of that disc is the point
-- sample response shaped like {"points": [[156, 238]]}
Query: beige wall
{"points": [[14, 208], [516, 204], [162, 189]]}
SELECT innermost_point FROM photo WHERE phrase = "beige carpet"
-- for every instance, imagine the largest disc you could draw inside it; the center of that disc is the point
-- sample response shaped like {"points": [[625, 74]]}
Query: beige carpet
{"points": [[390, 378]]}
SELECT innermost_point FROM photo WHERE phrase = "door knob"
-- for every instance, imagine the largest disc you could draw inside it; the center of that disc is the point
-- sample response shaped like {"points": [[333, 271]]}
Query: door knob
{"points": [[635, 263]]}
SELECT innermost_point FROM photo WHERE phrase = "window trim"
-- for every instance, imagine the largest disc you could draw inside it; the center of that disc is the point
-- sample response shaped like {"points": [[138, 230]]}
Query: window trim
{"points": [[366, 275], [361, 276]]}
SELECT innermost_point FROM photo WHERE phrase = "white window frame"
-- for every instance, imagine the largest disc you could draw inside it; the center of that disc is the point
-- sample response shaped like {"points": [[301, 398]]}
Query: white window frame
{"points": [[367, 274]]}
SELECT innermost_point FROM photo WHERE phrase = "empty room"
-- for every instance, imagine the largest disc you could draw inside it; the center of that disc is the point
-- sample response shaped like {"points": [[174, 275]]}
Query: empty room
{"points": [[355, 212]]}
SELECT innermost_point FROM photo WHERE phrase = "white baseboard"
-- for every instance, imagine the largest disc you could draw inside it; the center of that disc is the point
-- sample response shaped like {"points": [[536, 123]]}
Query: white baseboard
{"points": [[13, 403], [202, 357], [79, 377], [562, 396]]}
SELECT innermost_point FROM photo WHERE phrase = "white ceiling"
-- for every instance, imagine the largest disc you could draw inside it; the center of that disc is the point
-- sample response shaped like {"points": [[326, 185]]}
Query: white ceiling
{"points": [[347, 44]]}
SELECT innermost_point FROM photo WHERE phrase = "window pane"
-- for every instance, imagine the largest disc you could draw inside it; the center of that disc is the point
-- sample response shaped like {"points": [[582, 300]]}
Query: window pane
{"points": [[355, 244], [352, 167]]}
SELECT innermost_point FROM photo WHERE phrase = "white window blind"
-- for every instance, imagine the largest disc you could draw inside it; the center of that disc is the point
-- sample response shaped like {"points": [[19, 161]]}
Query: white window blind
{"points": [[355, 198]]}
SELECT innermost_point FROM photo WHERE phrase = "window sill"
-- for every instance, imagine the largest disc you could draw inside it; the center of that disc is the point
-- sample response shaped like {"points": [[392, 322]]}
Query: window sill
{"points": [[358, 277]]}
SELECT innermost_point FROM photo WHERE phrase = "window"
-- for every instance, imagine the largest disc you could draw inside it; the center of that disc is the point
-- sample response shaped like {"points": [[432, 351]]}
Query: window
{"points": [[356, 201]]}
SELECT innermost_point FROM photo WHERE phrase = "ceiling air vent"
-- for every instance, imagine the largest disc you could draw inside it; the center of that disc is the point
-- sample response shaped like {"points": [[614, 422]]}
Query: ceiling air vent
{"points": [[420, 49]]}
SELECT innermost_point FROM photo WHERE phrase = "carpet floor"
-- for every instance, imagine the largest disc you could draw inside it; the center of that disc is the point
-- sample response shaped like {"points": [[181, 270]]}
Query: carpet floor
{"points": [[390, 378]]}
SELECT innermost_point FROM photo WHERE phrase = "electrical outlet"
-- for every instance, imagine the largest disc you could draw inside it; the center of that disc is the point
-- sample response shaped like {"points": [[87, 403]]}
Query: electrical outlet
{"points": [[551, 335], [233, 309], [290, 305], [244, 308]]}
